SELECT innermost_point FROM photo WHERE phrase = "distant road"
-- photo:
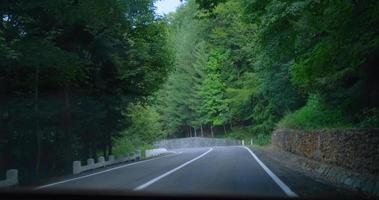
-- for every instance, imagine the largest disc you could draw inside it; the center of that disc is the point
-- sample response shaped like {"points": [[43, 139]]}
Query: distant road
{"points": [[232, 170]]}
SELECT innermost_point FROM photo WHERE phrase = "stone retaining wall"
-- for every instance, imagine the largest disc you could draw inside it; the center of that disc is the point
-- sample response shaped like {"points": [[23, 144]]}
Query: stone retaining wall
{"points": [[195, 142], [354, 150]]}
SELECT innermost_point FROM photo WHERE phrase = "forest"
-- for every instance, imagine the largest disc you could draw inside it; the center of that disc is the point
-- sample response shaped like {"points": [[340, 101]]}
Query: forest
{"points": [[248, 67], [83, 78]]}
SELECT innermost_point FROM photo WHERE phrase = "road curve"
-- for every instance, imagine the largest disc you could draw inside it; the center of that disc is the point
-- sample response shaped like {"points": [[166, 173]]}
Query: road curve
{"points": [[232, 170]]}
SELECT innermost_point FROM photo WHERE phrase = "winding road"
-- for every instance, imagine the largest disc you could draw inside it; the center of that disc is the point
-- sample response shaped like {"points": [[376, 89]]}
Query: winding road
{"points": [[226, 170]]}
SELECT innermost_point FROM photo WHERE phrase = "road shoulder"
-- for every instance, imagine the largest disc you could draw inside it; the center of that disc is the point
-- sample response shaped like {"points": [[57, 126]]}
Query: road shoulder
{"points": [[68, 177], [304, 183]]}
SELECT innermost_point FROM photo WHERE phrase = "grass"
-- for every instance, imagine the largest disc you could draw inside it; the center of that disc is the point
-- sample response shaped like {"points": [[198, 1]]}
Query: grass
{"points": [[126, 146], [315, 115], [122, 147], [144, 148], [262, 139], [245, 133]]}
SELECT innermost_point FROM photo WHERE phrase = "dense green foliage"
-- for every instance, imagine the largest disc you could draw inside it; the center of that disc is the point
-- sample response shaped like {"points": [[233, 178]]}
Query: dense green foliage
{"points": [[145, 128], [315, 115], [243, 66], [68, 71]]}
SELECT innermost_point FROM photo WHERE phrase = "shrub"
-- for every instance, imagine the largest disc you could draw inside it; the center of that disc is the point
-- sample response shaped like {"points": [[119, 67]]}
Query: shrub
{"points": [[145, 129], [370, 118], [123, 146], [238, 133], [262, 139], [315, 115], [245, 133]]}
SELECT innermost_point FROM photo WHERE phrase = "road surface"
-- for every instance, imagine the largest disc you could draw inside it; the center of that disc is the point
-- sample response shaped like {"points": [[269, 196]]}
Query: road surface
{"points": [[232, 170]]}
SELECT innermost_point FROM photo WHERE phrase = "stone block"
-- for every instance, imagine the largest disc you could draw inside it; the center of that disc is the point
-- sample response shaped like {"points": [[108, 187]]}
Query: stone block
{"points": [[111, 158], [76, 167], [12, 176], [90, 161], [101, 159]]}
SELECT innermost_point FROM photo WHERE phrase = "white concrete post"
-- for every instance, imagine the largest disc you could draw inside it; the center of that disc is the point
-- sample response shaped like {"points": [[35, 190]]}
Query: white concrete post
{"points": [[147, 153], [243, 142], [12, 176], [251, 142], [90, 162], [101, 161], [76, 167], [111, 159]]}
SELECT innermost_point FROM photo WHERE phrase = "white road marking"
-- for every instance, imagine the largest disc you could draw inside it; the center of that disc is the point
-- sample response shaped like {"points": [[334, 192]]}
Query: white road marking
{"points": [[280, 183], [119, 167], [170, 172]]}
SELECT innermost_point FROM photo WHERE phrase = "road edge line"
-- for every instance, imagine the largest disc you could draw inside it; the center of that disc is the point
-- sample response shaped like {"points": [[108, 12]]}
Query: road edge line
{"points": [[100, 172], [147, 184], [276, 179]]}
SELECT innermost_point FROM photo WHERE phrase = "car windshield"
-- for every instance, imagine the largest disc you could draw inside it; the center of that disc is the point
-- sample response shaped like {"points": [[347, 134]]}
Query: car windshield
{"points": [[221, 98]]}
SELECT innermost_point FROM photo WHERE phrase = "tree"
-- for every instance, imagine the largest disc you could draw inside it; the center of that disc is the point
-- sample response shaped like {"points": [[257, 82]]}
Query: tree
{"points": [[212, 93], [265, 59], [70, 69], [178, 98]]}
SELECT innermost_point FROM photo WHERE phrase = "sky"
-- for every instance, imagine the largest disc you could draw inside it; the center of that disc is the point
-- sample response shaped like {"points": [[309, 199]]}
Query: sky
{"points": [[166, 6]]}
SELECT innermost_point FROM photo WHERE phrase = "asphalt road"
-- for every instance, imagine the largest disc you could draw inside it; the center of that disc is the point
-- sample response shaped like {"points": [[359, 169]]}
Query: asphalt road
{"points": [[232, 170]]}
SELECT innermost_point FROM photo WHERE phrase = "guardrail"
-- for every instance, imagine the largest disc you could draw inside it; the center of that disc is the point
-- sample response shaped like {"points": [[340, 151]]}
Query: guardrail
{"points": [[11, 178], [77, 166]]}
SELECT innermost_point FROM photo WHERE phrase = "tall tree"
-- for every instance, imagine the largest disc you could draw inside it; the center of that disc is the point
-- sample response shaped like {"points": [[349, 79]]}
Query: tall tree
{"points": [[70, 69]]}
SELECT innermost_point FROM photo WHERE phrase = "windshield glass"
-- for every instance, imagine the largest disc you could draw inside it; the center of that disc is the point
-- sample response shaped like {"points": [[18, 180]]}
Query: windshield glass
{"points": [[273, 98]]}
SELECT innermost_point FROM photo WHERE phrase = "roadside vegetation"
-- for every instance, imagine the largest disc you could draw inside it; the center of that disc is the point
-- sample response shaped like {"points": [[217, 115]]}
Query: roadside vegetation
{"points": [[315, 115], [244, 68], [80, 79], [75, 80], [144, 129]]}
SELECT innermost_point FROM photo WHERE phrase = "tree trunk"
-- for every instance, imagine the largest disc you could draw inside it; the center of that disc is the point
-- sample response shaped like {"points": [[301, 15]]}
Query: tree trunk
{"points": [[202, 132], [190, 128], [110, 147], [37, 121], [67, 123], [105, 150], [212, 131], [195, 132], [224, 129], [88, 150], [93, 150], [4, 95]]}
